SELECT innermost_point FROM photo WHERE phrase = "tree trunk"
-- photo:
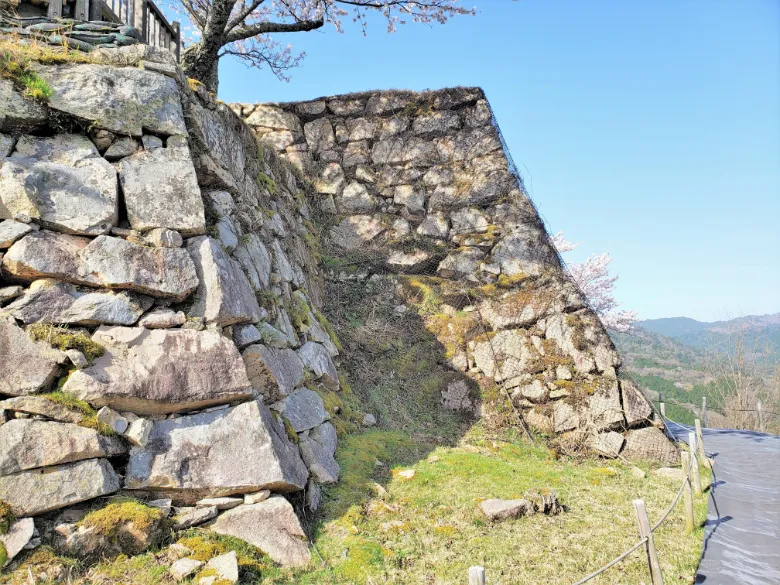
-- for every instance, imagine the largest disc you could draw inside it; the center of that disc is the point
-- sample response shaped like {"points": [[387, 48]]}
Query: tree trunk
{"points": [[202, 65]]}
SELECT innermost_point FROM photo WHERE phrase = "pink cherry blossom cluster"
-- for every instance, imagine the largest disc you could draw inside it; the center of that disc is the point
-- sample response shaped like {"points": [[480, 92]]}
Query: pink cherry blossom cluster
{"points": [[593, 278]]}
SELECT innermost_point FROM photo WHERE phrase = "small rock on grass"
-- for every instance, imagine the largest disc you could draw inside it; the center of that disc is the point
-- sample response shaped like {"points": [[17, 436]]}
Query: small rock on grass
{"points": [[497, 509], [226, 567], [183, 568], [406, 474], [670, 472], [369, 420], [17, 537], [638, 473], [163, 504]]}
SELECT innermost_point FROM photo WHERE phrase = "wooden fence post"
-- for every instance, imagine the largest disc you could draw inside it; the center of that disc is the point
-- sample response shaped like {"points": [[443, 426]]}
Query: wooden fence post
{"points": [[761, 426], [694, 462], [644, 532], [137, 22], [476, 575], [703, 459], [687, 492], [704, 411], [661, 405]]}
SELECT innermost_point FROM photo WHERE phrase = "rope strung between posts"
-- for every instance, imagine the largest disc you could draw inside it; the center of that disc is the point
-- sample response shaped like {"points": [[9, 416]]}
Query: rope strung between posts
{"points": [[686, 481]]}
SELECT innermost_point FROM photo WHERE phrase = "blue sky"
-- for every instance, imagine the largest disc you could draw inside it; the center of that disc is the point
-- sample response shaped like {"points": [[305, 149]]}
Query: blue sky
{"points": [[649, 129]]}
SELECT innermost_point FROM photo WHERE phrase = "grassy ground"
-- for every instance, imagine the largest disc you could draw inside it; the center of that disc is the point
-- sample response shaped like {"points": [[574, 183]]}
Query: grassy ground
{"points": [[380, 528]]}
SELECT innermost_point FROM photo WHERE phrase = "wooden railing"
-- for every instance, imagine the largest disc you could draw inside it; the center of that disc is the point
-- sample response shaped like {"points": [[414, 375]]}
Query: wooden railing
{"points": [[143, 15]]}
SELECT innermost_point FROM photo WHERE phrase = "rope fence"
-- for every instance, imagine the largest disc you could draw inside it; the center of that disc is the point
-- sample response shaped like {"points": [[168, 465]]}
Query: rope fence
{"points": [[762, 414], [691, 482]]}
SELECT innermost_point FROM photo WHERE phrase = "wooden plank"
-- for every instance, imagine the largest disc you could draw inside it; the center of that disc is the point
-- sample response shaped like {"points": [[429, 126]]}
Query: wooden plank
{"points": [[476, 575], [704, 411], [687, 492], [81, 12], [138, 15], [96, 10], [55, 9], [656, 578]]}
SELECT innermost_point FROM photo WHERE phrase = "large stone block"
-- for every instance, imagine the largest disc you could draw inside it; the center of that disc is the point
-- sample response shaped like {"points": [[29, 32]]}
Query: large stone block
{"points": [[224, 296], [61, 180], [233, 451], [650, 444], [27, 366], [161, 189], [254, 258], [636, 407], [18, 114], [105, 261], [125, 100], [318, 446], [271, 526], [273, 373], [41, 490], [51, 301], [161, 371], [28, 444], [303, 409], [10, 231]]}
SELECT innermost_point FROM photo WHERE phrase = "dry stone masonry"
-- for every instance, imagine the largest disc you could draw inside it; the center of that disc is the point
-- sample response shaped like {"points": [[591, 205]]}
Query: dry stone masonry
{"points": [[419, 191], [161, 287], [160, 332]]}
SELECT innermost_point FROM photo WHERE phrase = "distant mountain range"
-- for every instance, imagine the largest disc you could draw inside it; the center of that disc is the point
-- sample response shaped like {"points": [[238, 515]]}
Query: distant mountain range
{"points": [[671, 355], [761, 334]]}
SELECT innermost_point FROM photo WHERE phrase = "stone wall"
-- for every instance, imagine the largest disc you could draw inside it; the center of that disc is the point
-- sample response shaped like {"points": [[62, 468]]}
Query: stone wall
{"points": [[417, 187], [160, 268]]}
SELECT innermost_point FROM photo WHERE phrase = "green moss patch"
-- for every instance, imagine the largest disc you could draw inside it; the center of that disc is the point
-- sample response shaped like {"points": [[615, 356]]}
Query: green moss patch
{"points": [[62, 338]]}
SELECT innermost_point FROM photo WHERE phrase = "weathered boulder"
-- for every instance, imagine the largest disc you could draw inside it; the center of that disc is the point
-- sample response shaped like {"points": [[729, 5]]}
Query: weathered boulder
{"points": [[224, 295], [125, 100], [608, 444], [456, 395], [504, 356], [303, 409], [61, 180], [18, 114], [10, 231], [41, 406], [46, 254], [273, 373], [128, 528], [104, 261], [604, 408], [28, 366], [161, 371], [355, 231], [27, 444], [160, 272], [41, 490], [636, 407], [17, 537], [650, 444], [525, 250], [231, 451], [318, 446], [316, 358], [161, 189], [50, 301], [271, 526], [497, 509]]}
